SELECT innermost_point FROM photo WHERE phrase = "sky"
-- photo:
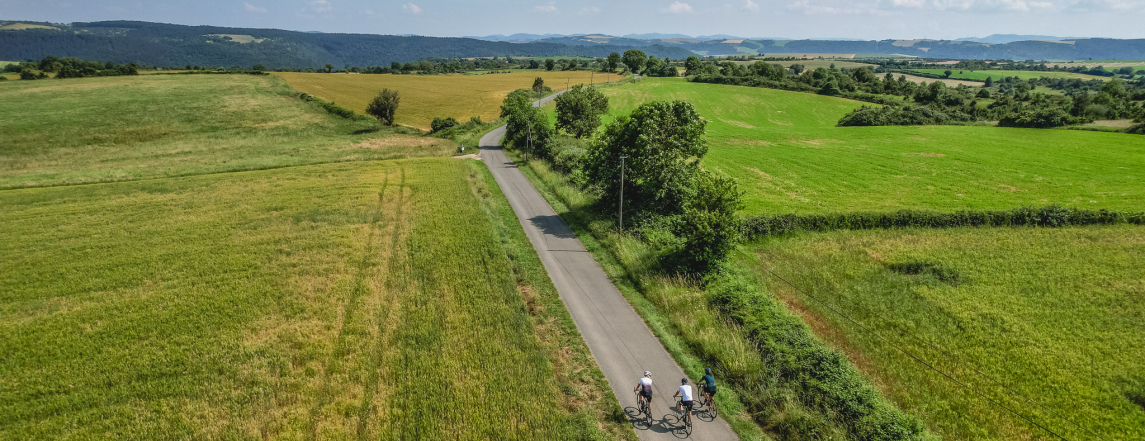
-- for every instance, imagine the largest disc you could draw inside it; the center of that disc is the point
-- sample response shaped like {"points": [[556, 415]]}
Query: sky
{"points": [[862, 19]]}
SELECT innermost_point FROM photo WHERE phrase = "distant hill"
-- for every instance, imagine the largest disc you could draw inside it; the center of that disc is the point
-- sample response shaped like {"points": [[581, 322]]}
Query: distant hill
{"points": [[655, 36], [1010, 38], [516, 38], [177, 45]]}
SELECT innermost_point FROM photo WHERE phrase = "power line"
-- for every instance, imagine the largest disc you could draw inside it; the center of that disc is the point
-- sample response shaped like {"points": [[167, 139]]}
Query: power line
{"points": [[912, 356], [946, 353]]}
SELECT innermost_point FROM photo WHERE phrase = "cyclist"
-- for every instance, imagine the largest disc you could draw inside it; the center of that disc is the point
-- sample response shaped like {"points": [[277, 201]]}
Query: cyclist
{"points": [[644, 388], [709, 383], [685, 394]]}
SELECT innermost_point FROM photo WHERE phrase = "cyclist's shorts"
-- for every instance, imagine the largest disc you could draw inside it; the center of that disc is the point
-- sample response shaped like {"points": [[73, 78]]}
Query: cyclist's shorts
{"points": [[688, 405], [711, 391], [647, 395]]}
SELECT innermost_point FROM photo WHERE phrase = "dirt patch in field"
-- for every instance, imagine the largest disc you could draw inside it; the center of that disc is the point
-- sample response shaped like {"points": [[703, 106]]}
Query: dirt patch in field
{"points": [[928, 155], [740, 142], [738, 124], [813, 143], [400, 140], [947, 81], [1119, 123]]}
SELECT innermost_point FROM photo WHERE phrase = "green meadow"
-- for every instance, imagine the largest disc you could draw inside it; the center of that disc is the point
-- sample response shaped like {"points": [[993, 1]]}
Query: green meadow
{"points": [[981, 75], [365, 299], [329, 295], [1046, 322], [789, 157], [75, 131]]}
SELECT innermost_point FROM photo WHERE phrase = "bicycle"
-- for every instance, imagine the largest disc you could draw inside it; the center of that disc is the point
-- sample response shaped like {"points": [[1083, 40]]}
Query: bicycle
{"points": [[686, 417], [642, 405], [709, 402]]}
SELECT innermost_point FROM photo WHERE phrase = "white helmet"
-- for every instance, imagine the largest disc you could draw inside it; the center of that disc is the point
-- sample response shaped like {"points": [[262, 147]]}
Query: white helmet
{"points": [[647, 374]]}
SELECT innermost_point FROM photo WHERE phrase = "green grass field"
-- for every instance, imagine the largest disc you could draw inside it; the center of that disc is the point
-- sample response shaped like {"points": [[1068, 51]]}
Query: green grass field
{"points": [[786, 153], [149, 126], [981, 75], [353, 300], [425, 97], [1052, 314]]}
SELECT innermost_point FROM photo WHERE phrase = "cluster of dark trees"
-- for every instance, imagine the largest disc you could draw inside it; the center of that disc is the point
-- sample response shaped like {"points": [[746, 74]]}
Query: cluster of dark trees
{"points": [[1015, 101], [68, 67], [175, 45], [686, 212]]}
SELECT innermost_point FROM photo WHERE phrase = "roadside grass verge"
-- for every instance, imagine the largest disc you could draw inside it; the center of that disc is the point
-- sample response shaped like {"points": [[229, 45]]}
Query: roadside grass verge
{"points": [[425, 97], [787, 155], [110, 129], [352, 300], [772, 393], [1052, 315]]}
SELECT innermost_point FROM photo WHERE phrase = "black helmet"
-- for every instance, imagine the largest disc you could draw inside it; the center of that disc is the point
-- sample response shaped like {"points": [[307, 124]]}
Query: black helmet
{"points": [[684, 380], [708, 371]]}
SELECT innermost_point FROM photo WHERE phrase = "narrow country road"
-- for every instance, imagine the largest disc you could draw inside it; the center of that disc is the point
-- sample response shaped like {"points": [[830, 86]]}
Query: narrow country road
{"points": [[620, 342]]}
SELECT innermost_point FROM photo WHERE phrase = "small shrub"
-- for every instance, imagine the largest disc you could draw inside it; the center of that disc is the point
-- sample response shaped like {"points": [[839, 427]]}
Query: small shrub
{"points": [[937, 270], [439, 124], [1040, 119]]}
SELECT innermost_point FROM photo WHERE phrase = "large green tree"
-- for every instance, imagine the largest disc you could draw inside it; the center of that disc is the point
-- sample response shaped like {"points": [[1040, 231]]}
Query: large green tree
{"points": [[527, 127], [665, 188], [579, 110], [384, 106], [635, 59], [613, 61]]}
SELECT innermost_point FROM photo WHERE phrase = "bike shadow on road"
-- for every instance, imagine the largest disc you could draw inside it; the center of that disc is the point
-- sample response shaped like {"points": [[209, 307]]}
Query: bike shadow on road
{"points": [[669, 423]]}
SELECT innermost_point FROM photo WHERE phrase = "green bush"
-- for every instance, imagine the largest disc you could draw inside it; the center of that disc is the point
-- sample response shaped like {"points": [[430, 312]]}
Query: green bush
{"points": [[898, 116], [439, 124], [1049, 216], [1040, 118]]}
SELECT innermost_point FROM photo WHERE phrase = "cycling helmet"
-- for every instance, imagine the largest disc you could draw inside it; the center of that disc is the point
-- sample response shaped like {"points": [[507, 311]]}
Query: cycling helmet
{"points": [[647, 374], [708, 371], [684, 380]]}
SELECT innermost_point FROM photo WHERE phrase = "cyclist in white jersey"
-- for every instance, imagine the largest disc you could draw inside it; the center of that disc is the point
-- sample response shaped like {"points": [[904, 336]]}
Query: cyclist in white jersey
{"points": [[685, 394], [645, 387]]}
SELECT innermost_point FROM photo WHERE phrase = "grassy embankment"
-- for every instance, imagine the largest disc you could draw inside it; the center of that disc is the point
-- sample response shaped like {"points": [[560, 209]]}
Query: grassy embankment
{"points": [[86, 130], [1048, 315], [425, 97], [368, 299], [785, 151], [981, 75]]}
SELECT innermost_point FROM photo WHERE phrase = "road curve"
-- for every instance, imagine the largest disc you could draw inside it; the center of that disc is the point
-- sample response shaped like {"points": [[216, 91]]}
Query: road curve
{"points": [[619, 341]]}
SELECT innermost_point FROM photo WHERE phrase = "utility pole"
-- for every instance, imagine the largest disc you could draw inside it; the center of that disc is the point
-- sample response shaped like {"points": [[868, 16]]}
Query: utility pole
{"points": [[529, 144], [622, 158]]}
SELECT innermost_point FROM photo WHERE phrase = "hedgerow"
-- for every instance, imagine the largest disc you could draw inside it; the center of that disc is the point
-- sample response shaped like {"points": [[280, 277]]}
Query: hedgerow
{"points": [[1049, 216]]}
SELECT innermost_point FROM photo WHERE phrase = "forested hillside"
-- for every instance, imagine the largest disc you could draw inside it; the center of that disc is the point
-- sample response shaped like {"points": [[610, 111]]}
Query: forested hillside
{"points": [[176, 45]]}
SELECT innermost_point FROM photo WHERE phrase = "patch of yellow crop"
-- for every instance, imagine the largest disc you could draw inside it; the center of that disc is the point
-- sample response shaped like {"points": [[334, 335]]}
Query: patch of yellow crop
{"points": [[424, 97], [24, 26], [239, 38]]}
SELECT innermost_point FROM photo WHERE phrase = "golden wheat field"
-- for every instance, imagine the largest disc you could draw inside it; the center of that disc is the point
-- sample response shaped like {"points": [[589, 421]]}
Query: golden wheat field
{"points": [[424, 97]]}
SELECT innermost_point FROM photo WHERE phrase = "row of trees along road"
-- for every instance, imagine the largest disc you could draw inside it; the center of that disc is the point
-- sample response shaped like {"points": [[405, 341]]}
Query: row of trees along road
{"points": [[670, 201]]}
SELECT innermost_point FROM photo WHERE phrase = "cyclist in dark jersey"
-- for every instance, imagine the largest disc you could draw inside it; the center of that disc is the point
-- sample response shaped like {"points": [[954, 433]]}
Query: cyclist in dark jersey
{"points": [[708, 382]]}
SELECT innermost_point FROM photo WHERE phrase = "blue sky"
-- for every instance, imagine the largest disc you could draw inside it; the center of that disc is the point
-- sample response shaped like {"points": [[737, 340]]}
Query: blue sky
{"points": [[866, 19]]}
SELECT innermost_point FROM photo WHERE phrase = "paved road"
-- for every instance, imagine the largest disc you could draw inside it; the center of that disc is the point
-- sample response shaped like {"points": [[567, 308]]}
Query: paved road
{"points": [[620, 342]]}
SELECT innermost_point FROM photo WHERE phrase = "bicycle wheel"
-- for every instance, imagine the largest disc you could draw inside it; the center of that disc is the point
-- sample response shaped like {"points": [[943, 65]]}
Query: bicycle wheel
{"points": [[712, 408]]}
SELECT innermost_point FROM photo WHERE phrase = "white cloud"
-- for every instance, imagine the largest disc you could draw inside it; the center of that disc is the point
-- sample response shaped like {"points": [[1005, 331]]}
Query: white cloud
{"points": [[749, 5], [807, 7], [320, 6], [910, 3], [252, 8], [589, 10], [550, 8], [677, 8], [411, 8], [369, 12]]}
